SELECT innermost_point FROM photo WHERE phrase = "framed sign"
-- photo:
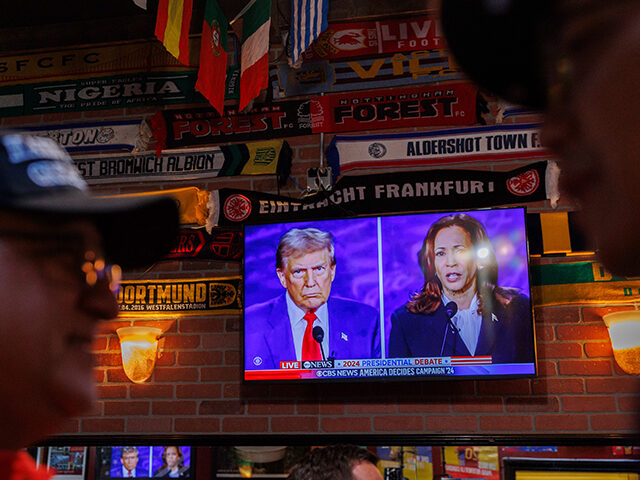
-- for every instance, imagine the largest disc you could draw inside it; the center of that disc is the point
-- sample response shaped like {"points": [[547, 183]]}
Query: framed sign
{"points": [[69, 463]]}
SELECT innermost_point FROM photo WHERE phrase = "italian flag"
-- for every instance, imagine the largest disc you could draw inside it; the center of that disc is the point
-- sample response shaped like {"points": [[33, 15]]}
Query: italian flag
{"points": [[172, 27], [213, 56], [254, 66]]}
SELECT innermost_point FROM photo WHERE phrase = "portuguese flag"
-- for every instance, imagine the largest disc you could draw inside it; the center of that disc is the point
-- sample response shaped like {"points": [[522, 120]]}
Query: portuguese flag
{"points": [[213, 56], [254, 66], [172, 27]]}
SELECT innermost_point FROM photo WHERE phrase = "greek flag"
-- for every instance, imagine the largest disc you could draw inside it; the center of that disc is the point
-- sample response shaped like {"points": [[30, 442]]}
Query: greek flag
{"points": [[308, 20]]}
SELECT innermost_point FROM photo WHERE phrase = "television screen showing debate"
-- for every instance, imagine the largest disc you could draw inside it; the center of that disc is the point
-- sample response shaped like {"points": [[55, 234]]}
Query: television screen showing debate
{"points": [[423, 296]]}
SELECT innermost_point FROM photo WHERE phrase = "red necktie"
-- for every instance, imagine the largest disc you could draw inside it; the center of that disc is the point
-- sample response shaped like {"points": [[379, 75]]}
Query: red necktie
{"points": [[310, 348]]}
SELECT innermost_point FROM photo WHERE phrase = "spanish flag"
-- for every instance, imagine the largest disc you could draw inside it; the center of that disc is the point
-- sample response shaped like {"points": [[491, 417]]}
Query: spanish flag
{"points": [[172, 27]]}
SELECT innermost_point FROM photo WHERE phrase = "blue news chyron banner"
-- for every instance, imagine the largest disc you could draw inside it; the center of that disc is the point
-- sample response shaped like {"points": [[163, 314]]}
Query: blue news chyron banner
{"points": [[255, 158], [91, 136], [390, 367], [440, 147], [392, 70], [386, 193]]}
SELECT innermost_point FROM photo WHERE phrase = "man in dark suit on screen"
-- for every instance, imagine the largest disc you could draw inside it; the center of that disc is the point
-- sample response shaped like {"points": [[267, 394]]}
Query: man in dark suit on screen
{"points": [[306, 323]]}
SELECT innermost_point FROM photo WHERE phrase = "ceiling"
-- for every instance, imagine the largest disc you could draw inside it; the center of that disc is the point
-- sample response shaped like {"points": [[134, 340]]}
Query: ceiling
{"points": [[41, 24]]}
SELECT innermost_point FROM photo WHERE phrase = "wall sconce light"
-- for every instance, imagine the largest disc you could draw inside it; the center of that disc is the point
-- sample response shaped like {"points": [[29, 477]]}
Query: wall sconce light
{"points": [[139, 346], [624, 330]]}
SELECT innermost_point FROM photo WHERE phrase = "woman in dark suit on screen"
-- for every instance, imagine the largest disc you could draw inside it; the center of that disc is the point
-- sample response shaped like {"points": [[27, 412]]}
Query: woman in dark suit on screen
{"points": [[461, 310]]}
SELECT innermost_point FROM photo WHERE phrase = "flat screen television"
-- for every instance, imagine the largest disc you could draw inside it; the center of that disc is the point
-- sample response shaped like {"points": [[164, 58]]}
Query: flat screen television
{"points": [[146, 462], [409, 296]]}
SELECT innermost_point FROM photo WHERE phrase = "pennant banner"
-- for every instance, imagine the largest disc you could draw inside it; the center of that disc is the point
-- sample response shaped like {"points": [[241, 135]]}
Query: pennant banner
{"points": [[94, 136], [210, 296], [580, 283], [255, 158], [224, 244], [452, 104], [399, 70], [444, 147], [91, 61], [448, 104], [348, 40], [386, 193], [192, 202]]}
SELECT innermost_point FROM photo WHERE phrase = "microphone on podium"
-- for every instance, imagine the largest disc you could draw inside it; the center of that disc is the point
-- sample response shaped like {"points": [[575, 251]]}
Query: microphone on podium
{"points": [[450, 309], [318, 336]]}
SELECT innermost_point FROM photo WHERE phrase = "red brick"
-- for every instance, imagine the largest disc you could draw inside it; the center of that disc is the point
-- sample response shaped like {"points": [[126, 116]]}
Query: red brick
{"points": [[598, 349], [588, 403], [533, 404], [219, 374], [424, 407], [545, 333], [166, 359], [582, 332], [173, 407], [617, 422], [595, 314], [584, 367], [308, 153], [547, 368], [559, 350], [221, 407], [71, 425], [557, 385], [99, 343], [303, 140], [201, 324], [294, 424], [112, 391], [561, 422], [270, 408], [629, 403], [113, 408], [99, 375], [117, 375], [556, 315], [221, 340], [181, 341], [197, 424], [613, 385], [149, 425], [477, 404], [232, 357], [505, 387], [451, 423], [346, 424], [398, 423], [209, 357], [203, 390], [231, 390], [332, 409], [360, 408], [307, 409], [505, 423], [102, 425], [151, 391], [108, 359], [245, 424], [175, 374]]}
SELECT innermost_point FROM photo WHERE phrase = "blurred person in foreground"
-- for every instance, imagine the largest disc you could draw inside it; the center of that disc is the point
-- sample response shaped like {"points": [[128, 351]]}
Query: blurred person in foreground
{"points": [[337, 462], [577, 61], [59, 254]]}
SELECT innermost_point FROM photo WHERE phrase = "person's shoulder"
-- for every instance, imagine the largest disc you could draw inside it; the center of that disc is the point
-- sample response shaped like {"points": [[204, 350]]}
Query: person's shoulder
{"points": [[348, 304], [269, 304]]}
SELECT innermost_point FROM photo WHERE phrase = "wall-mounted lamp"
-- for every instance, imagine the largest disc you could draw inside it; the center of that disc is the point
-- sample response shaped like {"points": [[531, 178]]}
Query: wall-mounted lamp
{"points": [[624, 330], [139, 346]]}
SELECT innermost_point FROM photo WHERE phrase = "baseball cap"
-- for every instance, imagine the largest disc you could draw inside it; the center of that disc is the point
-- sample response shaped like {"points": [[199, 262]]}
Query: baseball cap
{"points": [[37, 176], [499, 45]]}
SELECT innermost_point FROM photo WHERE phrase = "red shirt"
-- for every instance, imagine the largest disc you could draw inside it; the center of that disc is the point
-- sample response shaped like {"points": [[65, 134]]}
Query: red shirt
{"points": [[18, 465]]}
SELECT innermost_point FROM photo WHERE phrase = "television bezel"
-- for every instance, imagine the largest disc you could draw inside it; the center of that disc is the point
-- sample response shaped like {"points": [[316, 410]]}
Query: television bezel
{"points": [[387, 379]]}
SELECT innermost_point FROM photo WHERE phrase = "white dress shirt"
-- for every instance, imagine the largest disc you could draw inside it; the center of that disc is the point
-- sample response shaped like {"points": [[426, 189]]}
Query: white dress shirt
{"points": [[468, 323], [299, 325]]}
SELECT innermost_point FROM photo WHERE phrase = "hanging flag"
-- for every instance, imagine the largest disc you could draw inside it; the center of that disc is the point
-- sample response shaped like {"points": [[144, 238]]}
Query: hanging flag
{"points": [[141, 3], [172, 27], [308, 21], [213, 56], [254, 65]]}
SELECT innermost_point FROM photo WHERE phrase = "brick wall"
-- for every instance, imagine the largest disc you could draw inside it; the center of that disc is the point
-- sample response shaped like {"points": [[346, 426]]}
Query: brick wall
{"points": [[196, 385]]}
